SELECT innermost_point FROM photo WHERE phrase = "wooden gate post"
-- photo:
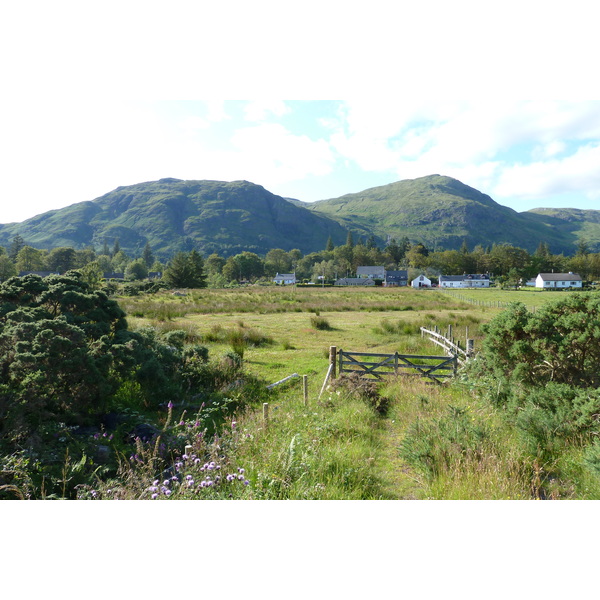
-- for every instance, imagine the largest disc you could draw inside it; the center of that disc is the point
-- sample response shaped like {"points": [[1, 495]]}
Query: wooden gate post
{"points": [[332, 360]]}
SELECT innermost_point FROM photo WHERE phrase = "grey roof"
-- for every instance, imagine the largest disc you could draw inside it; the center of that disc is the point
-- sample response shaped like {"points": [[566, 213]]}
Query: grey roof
{"points": [[396, 274], [354, 281], [560, 276], [368, 270], [464, 277]]}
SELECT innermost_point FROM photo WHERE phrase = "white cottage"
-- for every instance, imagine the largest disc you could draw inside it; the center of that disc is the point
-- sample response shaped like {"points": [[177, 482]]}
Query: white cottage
{"points": [[421, 282], [285, 279], [558, 281], [464, 281]]}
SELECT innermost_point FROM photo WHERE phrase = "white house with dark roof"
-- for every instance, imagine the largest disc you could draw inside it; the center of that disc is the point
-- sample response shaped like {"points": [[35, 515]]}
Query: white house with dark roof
{"points": [[370, 272], [285, 278], [355, 281], [465, 281], [558, 281]]}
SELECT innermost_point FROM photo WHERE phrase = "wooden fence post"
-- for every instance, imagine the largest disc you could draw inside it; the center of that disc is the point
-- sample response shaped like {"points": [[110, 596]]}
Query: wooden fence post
{"points": [[470, 347], [266, 413], [305, 389], [332, 360]]}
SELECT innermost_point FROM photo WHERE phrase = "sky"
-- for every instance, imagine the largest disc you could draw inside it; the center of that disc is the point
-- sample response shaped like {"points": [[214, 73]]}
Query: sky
{"points": [[107, 96]]}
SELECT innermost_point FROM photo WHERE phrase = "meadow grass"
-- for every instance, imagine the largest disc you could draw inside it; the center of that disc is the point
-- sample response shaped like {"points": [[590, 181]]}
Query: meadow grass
{"points": [[434, 442]]}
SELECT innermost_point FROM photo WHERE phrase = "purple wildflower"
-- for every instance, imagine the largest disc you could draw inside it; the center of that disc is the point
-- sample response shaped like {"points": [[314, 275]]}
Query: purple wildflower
{"points": [[170, 405], [154, 496]]}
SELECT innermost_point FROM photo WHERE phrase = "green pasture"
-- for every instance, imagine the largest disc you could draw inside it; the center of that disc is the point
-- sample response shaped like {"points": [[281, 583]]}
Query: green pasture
{"points": [[282, 330], [531, 297]]}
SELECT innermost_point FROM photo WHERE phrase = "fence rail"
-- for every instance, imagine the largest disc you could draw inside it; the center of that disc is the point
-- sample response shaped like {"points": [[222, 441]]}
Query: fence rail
{"points": [[451, 347]]}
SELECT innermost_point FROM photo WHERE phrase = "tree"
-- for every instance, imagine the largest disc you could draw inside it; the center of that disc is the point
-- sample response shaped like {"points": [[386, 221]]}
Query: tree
{"points": [[7, 268], [250, 264], [277, 261], [92, 274], [214, 264], [17, 243], [350, 240], [329, 246], [136, 270], [30, 259], [417, 256], [185, 270], [61, 260], [116, 247], [147, 255], [119, 262]]}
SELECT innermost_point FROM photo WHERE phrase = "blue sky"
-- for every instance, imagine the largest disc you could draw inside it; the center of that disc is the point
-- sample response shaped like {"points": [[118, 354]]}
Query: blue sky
{"points": [[91, 101]]}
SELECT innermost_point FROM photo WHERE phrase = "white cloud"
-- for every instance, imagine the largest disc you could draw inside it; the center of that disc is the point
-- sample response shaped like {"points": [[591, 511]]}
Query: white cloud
{"points": [[261, 110], [485, 143], [274, 155], [576, 173]]}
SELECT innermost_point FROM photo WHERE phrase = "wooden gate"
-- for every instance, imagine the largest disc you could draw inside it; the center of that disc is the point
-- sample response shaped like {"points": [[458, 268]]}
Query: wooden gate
{"points": [[365, 364]]}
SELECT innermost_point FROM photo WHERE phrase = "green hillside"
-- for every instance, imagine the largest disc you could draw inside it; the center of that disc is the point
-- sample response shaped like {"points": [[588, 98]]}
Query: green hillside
{"points": [[442, 212], [174, 215], [583, 225], [230, 217]]}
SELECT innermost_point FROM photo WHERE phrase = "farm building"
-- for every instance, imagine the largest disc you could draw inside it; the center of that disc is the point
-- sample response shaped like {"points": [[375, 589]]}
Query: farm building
{"points": [[285, 279], [421, 282], [355, 281], [464, 281], [370, 272], [558, 281], [396, 278]]}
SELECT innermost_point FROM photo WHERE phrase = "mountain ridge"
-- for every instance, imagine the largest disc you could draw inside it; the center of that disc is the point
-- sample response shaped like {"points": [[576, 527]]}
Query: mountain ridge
{"points": [[229, 217]]}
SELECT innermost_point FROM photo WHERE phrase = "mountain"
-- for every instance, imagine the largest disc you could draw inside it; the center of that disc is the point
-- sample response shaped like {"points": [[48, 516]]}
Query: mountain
{"points": [[442, 212], [230, 217], [584, 225], [173, 215]]}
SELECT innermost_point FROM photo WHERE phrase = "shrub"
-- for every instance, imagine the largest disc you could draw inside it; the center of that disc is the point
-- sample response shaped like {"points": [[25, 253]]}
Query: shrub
{"points": [[320, 323]]}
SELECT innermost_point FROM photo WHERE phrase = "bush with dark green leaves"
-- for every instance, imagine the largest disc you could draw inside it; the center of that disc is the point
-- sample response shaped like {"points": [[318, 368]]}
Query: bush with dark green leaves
{"points": [[65, 352], [560, 342], [542, 368]]}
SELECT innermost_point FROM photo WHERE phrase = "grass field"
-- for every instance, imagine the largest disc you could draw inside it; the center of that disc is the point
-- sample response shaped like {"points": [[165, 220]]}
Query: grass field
{"points": [[282, 326], [342, 446]]}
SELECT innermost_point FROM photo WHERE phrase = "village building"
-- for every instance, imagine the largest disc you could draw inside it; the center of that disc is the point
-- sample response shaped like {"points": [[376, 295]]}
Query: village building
{"points": [[396, 278], [464, 281], [285, 279], [355, 281], [558, 281], [371, 272], [421, 282]]}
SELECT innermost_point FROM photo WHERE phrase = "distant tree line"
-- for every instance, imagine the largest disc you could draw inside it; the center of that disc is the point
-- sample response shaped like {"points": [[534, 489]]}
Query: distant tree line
{"points": [[508, 264]]}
